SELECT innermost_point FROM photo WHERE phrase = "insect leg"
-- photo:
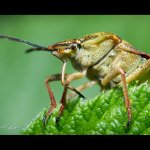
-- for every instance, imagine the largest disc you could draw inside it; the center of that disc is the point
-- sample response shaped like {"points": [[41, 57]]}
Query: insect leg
{"points": [[126, 96], [128, 48], [69, 78], [63, 104], [111, 76], [54, 77], [65, 83]]}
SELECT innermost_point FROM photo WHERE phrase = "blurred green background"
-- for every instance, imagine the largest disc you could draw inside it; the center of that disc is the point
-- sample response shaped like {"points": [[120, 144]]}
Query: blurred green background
{"points": [[22, 90]]}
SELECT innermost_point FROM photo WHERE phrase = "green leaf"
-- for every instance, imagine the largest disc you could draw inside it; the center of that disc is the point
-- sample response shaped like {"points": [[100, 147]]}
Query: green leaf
{"points": [[104, 114]]}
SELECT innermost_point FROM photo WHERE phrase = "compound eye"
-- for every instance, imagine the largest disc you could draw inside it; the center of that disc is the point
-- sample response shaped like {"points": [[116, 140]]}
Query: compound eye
{"points": [[73, 46]]}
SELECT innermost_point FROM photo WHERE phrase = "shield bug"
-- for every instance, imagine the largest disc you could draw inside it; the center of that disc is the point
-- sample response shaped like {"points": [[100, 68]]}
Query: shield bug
{"points": [[104, 58]]}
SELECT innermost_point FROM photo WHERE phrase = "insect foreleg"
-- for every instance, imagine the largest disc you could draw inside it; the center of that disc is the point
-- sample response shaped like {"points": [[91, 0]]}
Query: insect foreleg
{"points": [[66, 79], [65, 82], [51, 95], [63, 104]]}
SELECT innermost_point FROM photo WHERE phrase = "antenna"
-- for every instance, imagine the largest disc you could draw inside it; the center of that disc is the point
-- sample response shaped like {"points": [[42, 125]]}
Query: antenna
{"points": [[36, 46]]}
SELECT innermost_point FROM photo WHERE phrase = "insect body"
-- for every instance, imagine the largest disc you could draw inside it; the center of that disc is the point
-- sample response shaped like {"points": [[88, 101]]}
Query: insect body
{"points": [[104, 58]]}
